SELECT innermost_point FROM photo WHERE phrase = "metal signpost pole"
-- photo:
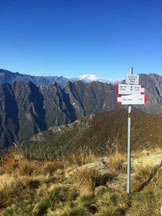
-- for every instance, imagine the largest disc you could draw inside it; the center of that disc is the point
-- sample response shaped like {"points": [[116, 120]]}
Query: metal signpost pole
{"points": [[129, 145], [128, 94]]}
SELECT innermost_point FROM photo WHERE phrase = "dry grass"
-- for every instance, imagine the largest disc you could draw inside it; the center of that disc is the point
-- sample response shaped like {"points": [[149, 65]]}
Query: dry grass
{"points": [[117, 163], [78, 159], [146, 152], [85, 180], [142, 175], [30, 187]]}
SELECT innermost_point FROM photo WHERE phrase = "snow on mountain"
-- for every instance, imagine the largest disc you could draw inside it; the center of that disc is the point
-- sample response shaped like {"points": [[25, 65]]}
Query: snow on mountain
{"points": [[93, 77], [89, 77], [111, 81]]}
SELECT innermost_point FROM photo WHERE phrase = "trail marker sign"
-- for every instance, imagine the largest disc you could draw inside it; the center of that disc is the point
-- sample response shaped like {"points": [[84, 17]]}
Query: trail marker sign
{"points": [[127, 89], [130, 94], [131, 99], [132, 79]]}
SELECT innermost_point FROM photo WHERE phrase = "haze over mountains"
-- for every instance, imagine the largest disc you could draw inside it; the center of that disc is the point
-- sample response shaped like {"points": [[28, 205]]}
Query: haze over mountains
{"points": [[28, 107]]}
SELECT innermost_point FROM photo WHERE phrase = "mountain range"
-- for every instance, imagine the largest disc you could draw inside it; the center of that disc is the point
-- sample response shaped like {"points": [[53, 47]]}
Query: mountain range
{"points": [[10, 77], [7, 76], [27, 108]]}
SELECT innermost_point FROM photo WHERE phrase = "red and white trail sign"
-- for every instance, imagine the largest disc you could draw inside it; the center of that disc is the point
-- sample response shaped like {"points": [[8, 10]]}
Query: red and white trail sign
{"points": [[131, 99], [129, 89], [130, 94]]}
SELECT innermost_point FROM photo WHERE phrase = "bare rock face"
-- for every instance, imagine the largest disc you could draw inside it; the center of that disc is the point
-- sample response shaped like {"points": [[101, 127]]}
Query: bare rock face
{"points": [[153, 91], [93, 97], [26, 110]]}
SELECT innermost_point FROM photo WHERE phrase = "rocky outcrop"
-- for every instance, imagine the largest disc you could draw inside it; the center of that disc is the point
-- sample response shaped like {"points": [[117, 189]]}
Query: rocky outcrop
{"points": [[153, 160], [106, 179], [93, 97]]}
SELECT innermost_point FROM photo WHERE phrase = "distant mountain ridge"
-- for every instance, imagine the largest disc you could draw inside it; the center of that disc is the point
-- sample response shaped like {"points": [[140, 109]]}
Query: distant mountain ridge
{"points": [[9, 77]]}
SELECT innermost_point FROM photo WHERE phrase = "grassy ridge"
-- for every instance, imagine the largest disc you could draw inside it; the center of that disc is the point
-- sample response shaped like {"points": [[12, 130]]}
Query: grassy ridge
{"points": [[106, 132]]}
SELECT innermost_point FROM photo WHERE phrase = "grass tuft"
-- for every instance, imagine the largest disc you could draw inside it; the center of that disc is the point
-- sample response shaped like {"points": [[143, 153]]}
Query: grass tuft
{"points": [[85, 180]]}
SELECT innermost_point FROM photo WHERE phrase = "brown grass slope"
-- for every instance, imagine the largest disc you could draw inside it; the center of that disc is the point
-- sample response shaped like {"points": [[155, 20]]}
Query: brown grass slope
{"points": [[104, 132]]}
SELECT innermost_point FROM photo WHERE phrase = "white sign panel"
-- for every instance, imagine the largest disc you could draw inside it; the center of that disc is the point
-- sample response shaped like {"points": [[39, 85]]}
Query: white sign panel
{"points": [[132, 79], [130, 89], [131, 99]]}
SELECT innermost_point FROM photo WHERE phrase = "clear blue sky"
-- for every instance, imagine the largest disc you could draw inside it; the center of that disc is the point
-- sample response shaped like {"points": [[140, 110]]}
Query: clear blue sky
{"points": [[75, 37]]}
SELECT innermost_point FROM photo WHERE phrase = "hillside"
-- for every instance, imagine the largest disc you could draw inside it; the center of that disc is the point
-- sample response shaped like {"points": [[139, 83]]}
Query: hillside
{"points": [[26, 109], [104, 132], [81, 185]]}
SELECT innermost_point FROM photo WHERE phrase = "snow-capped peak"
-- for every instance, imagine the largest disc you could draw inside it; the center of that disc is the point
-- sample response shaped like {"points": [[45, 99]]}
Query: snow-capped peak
{"points": [[93, 77], [89, 77]]}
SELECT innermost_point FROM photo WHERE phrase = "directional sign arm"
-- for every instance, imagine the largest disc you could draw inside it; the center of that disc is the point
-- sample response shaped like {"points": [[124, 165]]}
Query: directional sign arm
{"points": [[131, 99], [126, 89]]}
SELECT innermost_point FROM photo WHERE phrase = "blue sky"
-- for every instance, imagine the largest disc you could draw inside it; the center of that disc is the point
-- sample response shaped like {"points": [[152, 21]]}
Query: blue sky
{"points": [[75, 37]]}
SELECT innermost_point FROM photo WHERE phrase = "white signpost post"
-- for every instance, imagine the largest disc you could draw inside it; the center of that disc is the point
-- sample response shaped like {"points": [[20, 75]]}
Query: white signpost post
{"points": [[130, 94]]}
